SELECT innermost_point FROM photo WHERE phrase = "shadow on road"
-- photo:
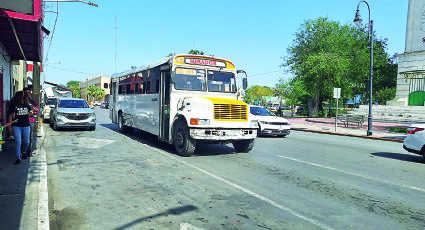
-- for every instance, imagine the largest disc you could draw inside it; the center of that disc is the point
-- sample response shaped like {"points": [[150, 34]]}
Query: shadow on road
{"points": [[402, 157], [143, 137], [171, 211]]}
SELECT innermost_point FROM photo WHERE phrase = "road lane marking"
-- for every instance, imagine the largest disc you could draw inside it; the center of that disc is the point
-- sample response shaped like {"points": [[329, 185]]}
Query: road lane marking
{"points": [[273, 203], [267, 200], [354, 174]]}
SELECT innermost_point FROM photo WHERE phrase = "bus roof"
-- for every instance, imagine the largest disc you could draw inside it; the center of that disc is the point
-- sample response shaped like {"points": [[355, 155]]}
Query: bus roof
{"points": [[163, 61]]}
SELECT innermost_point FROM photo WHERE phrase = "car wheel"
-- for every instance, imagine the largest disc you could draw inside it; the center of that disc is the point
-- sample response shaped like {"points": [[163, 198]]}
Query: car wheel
{"points": [[55, 126], [183, 143], [423, 152], [243, 146]]}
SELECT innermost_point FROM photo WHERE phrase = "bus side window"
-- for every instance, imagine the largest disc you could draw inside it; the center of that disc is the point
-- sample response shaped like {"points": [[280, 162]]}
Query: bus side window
{"points": [[128, 89], [148, 87], [121, 89]]}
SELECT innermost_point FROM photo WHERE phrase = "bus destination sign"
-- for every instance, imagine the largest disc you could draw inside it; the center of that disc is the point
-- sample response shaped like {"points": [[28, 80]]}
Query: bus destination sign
{"points": [[207, 62]]}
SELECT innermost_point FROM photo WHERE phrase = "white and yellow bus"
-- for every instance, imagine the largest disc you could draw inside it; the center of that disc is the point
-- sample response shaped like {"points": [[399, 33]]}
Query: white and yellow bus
{"points": [[185, 100]]}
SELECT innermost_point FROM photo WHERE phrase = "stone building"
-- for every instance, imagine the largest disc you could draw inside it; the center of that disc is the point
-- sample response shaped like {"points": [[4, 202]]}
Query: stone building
{"points": [[100, 82], [411, 63]]}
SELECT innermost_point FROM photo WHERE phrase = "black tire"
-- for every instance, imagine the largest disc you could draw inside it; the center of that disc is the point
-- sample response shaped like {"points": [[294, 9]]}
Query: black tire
{"points": [[243, 146], [55, 126], [259, 131], [121, 127], [183, 143]]}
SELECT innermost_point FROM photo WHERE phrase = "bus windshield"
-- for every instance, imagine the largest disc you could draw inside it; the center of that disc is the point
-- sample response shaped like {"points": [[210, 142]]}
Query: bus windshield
{"points": [[194, 79], [190, 79], [221, 81]]}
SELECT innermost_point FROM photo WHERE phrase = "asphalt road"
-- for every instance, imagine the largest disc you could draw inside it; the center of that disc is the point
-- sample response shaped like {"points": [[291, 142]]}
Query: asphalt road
{"points": [[106, 180]]}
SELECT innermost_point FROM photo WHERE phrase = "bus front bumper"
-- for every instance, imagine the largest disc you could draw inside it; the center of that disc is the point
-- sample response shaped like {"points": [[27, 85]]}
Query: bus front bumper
{"points": [[223, 134]]}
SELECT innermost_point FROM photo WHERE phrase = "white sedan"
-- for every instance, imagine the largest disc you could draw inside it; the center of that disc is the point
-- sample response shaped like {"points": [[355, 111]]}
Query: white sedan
{"points": [[415, 140], [268, 123]]}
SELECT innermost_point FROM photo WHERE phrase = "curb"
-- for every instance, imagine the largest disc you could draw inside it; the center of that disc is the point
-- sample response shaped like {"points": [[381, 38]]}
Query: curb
{"points": [[43, 201], [349, 135]]}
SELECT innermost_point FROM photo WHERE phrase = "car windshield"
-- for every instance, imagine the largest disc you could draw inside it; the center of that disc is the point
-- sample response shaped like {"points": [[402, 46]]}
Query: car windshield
{"points": [[260, 111], [73, 104]]}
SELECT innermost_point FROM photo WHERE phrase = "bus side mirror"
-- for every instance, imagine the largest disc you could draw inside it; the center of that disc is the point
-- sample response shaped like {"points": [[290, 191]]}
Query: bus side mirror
{"points": [[245, 83]]}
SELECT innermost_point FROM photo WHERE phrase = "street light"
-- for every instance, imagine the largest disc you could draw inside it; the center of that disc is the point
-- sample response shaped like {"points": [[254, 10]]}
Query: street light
{"points": [[358, 22]]}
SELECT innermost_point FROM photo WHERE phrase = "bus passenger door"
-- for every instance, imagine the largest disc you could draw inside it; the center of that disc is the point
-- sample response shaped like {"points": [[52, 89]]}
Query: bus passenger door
{"points": [[164, 105]]}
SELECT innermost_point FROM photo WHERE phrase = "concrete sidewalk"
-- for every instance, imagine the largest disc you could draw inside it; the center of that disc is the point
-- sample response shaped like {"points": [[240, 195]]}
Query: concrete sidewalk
{"points": [[23, 188], [327, 125]]}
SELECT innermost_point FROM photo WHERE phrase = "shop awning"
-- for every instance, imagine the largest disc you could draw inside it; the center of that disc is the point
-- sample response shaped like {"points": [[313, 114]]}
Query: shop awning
{"points": [[21, 33]]}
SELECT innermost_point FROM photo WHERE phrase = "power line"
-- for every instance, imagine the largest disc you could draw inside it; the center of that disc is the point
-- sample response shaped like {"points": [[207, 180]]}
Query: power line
{"points": [[260, 74], [53, 32]]}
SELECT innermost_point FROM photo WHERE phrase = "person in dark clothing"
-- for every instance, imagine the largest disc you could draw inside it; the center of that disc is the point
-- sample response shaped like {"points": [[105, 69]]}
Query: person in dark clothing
{"points": [[35, 108], [21, 111]]}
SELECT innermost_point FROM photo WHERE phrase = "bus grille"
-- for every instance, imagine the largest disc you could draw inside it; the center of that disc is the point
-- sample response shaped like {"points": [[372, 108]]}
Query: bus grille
{"points": [[229, 112]]}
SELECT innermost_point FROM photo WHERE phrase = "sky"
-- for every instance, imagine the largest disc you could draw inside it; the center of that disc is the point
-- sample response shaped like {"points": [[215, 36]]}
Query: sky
{"points": [[253, 34]]}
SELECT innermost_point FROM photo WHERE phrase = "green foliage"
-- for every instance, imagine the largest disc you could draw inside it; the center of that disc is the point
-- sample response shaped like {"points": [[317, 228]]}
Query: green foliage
{"points": [[95, 92], [398, 129], [325, 54], [256, 93], [384, 95], [76, 86], [197, 52], [332, 112]]}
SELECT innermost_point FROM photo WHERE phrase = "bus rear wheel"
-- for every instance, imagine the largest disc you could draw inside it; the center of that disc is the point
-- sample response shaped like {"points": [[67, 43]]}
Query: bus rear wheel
{"points": [[183, 143], [243, 146]]}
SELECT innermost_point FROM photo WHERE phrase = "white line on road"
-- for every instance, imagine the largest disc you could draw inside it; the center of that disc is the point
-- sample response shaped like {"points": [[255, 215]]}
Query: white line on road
{"points": [[354, 174], [277, 205]]}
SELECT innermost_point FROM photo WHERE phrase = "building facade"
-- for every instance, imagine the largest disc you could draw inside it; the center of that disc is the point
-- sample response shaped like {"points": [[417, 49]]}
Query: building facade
{"points": [[411, 63], [98, 81]]}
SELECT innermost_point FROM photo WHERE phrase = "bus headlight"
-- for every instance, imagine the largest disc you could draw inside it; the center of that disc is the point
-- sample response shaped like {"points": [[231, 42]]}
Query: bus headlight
{"points": [[196, 121], [254, 123]]}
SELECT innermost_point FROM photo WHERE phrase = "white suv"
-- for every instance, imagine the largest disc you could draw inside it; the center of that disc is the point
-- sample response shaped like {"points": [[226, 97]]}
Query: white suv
{"points": [[415, 140]]}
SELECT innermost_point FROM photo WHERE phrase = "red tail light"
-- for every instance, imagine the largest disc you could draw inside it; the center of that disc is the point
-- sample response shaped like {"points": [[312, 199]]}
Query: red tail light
{"points": [[413, 130]]}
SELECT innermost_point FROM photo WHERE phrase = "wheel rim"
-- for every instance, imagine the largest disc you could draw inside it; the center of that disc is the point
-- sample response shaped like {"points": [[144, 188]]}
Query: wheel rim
{"points": [[180, 138]]}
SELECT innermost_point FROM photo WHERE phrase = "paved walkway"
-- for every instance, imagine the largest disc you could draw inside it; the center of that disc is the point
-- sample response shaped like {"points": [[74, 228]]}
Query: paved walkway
{"points": [[23, 188], [380, 130]]}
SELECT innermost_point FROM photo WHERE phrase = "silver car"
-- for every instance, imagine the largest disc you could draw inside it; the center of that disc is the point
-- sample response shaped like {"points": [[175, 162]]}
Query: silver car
{"points": [[72, 113]]}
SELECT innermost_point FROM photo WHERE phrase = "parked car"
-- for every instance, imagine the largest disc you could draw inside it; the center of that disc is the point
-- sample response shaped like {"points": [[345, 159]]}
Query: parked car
{"points": [[72, 113], [268, 123], [97, 103], [415, 140], [46, 107], [104, 105]]}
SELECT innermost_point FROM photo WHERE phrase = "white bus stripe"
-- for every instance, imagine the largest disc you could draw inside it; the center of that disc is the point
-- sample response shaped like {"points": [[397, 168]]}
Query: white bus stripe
{"points": [[354, 174]]}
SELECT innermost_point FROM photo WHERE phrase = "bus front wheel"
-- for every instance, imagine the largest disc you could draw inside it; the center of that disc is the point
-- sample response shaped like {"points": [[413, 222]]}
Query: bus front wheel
{"points": [[243, 146], [121, 127], [183, 143]]}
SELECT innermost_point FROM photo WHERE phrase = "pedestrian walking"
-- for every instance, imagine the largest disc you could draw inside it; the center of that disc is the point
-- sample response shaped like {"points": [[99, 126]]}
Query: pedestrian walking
{"points": [[21, 111], [36, 109]]}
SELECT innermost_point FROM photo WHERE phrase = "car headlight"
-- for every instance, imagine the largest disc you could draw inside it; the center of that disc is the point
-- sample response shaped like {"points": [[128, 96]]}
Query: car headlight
{"points": [[264, 122]]}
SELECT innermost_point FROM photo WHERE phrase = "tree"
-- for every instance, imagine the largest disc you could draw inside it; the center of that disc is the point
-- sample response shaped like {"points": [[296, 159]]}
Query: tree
{"points": [[292, 90], [326, 54], [95, 92], [76, 86], [256, 93], [197, 52]]}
